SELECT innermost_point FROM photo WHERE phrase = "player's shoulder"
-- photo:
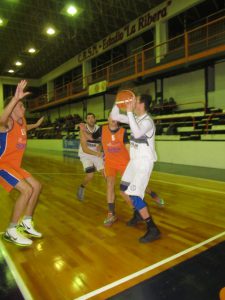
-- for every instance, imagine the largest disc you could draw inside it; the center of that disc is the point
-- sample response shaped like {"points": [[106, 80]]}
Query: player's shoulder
{"points": [[7, 127], [146, 118]]}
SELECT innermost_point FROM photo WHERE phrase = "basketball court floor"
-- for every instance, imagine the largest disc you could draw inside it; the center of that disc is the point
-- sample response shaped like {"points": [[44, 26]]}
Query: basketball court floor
{"points": [[79, 258]]}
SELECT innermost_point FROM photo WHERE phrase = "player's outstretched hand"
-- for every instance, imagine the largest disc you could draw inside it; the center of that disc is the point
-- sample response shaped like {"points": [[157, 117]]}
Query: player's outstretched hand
{"points": [[20, 94], [39, 122]]}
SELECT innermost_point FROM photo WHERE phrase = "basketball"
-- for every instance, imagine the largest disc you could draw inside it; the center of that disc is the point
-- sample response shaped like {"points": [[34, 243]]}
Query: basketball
{"points": [[123, 97], [222, 294]]}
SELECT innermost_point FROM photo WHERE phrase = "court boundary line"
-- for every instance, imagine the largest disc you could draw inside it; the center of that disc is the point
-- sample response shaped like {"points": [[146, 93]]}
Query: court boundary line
{"points": [[17, 277], [59, 173], [149, 268], [189, 176], [188, 186]]}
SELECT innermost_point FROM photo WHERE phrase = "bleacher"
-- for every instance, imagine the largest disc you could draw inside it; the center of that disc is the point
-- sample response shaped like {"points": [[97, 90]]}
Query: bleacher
{"points": [[181, 125]]}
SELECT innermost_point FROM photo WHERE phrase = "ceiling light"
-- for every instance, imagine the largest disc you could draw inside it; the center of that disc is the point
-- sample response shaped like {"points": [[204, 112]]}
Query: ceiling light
{"points": [[71, 10], [3, 22], [50, 31], [32, 50], [18, 63], [11, 71]]}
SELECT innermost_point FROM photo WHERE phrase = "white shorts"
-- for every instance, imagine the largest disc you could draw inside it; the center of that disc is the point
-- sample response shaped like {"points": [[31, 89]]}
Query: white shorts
{"points": [[92, 162], [136, 176]]}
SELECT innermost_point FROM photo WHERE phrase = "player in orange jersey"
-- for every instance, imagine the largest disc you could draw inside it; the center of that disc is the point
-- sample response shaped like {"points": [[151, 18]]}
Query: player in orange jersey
{"points": [[13, 139], [115, 144]]}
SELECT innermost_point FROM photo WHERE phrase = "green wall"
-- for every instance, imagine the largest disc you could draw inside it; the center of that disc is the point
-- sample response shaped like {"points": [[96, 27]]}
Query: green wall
{"points": [[186, 88], [217, 97], [194, 153], [96, 106]]}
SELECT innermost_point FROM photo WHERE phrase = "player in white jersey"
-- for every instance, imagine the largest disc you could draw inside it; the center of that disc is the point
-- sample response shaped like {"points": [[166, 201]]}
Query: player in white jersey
{"points": [[91, 162], [142, 157]]}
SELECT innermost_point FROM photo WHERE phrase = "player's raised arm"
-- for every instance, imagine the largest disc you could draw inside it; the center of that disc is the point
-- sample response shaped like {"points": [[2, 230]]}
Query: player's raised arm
{"points": [[19, 94], [35, 125], [138, 128], [123, 97], [115, 115]]}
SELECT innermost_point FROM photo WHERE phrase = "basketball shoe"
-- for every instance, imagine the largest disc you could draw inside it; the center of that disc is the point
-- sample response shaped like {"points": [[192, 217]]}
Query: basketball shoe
{"points": [[151, 234], [156, 198], [135, 219], [13, 235], [110, 219], [27, 227]]}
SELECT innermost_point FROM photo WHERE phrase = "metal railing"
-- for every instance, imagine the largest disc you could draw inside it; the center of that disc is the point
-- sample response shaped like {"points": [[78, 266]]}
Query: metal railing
{"points": [[176, 51], [210, 118]]}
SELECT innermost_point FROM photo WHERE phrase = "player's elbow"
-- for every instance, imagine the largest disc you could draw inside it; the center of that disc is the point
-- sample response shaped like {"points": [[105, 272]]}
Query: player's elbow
{"points": [[137, 135], [114, 117]]}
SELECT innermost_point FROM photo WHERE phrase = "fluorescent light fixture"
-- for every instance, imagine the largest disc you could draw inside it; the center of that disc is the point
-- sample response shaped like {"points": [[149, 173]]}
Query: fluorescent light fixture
{"points": [[18, 63], [50, 31], [3, 22], [11, 71], [71, 10], [31, 50]]}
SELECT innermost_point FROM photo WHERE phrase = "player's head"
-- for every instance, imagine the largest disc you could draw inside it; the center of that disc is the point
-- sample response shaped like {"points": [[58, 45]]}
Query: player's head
{"points": [[90, 119], [142, 104], [18, 110]]}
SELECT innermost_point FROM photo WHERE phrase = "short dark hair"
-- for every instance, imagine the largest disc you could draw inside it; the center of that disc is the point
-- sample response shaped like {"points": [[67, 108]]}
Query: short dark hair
{"points": [[90, 114], [147, 100]]}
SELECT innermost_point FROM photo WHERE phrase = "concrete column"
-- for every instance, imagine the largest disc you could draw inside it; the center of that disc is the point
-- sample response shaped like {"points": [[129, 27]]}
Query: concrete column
{"points": [[50, 90], [86, 70], [161, 36]]}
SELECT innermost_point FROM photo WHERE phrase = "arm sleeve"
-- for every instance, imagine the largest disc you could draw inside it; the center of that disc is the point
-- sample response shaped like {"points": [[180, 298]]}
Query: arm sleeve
{"points": [[139, 130], [97, 134], [115, 115]]}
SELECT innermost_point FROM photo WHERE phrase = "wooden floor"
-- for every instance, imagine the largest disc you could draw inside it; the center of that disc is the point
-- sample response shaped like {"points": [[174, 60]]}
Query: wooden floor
{"points": [[78, 255]]}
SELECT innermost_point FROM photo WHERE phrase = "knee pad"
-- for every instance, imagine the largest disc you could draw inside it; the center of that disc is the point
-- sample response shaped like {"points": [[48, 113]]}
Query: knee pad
{"points": [[124, 186], [90, 170], [138, 203]]}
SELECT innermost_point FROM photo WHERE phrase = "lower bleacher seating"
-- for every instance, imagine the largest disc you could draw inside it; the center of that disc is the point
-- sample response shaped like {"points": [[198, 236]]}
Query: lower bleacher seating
{"points": [[194, 125]]}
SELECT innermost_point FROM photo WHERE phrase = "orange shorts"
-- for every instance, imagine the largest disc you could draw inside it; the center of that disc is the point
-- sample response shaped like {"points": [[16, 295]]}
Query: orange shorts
{"points": [[11, 175], [112, 171]]}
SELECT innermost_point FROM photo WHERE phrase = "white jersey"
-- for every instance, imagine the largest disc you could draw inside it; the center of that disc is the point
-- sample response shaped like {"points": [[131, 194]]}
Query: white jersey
{"points": [[92, 144], [142, 138]]}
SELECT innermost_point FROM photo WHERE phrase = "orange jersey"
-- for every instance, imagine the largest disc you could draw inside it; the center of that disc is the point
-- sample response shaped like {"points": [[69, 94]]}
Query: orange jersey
{"points": [[13, 144], [116, 153]]}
